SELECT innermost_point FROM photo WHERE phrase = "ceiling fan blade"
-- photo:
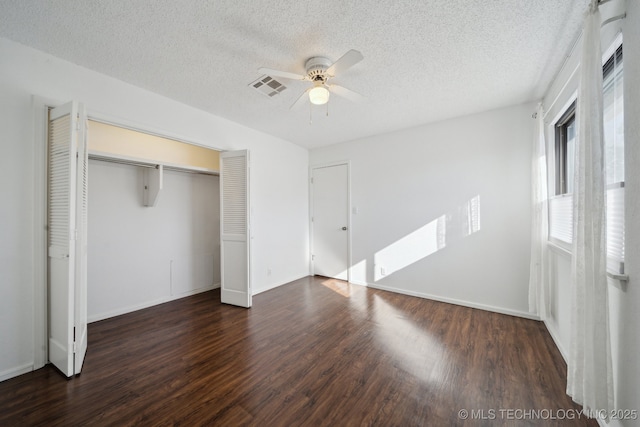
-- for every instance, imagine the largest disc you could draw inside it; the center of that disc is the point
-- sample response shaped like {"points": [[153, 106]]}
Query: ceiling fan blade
{"points": [[284, 74], [347, 61], [346, 93], [300, 99]]}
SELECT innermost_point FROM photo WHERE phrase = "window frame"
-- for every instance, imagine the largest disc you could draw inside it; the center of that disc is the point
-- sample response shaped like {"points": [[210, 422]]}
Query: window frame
{"points": [[561, 149], [608, 68]]}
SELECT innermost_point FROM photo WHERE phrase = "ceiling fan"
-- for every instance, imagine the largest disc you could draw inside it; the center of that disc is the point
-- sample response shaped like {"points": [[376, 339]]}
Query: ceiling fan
{"points": [[319, 71]]}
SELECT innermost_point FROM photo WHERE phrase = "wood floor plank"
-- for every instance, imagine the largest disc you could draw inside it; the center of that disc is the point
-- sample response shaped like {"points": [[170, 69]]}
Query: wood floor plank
{"points": [[313, 352]]}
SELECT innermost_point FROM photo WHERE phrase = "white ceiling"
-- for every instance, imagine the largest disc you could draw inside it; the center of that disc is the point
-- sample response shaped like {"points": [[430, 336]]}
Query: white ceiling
{"points": [[424, 60]]}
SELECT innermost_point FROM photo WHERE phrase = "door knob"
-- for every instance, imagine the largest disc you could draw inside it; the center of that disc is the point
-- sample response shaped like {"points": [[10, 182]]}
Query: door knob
{"points": [[344, 228]]}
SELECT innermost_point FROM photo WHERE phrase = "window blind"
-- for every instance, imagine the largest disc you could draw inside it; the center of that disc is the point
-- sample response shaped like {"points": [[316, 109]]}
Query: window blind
{"points": [[615, 229], [561, 218], [561, 225]]}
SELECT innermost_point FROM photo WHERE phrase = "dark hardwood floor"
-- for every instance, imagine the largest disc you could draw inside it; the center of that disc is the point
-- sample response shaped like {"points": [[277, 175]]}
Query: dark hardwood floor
{"points": [[313, 352]]}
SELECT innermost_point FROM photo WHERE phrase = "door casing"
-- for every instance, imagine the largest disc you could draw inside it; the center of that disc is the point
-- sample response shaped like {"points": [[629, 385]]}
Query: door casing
{"points": [[349, 213]]}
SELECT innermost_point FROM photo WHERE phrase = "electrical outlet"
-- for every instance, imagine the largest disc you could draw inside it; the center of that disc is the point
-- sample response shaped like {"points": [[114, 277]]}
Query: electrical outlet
{"points": [[383, 272], [268, 272]]}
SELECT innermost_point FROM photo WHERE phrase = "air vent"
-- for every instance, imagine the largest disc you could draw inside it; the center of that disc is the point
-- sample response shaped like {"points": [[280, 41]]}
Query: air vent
{"points": [[268, 86]]}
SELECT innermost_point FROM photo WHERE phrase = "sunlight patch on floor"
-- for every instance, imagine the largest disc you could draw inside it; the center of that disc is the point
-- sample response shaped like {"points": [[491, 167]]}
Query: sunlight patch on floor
{"points": [[412, 347], [338, 286]]}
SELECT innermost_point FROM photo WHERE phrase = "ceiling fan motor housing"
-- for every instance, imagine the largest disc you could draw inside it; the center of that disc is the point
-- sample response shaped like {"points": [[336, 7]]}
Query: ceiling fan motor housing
{"points": [[317, 68]]}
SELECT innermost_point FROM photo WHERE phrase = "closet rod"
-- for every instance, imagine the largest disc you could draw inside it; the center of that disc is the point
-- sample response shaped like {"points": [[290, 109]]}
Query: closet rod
{"points": [[121, 161], [149, 165], [186, 170]]}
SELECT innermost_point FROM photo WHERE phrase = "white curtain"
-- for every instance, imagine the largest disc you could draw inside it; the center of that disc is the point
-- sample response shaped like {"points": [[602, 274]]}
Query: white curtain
{"points": [[538, 294], [590, 379]]}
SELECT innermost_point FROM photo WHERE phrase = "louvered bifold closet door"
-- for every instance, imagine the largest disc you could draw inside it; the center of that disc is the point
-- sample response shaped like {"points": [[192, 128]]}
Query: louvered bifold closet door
{"points": [[234, 228], [62, 231], [82, 186], [67, 225]]}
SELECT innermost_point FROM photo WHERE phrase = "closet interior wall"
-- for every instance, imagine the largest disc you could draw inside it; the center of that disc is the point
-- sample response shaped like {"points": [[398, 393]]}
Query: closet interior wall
{"points": [[141, 256]]}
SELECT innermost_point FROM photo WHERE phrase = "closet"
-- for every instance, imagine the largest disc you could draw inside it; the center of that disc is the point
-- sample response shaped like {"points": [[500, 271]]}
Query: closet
{"points": [[134, 220], [153, 220]]}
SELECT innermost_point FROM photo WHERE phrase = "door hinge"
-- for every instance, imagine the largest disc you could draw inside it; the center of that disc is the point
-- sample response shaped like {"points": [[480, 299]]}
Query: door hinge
{"points": [[311, 219], [313, 257], [74, 236], [312, 180], [75, 347], [74, 340]]}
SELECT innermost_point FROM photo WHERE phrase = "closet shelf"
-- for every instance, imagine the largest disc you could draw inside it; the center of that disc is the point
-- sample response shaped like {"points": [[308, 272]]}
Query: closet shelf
{"points": [[148, 163]]}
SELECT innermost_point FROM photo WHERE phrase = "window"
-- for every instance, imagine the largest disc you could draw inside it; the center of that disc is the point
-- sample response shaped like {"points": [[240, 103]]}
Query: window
{"points": [[561, 205], [565, 144], [613, 119], [613, 114]]}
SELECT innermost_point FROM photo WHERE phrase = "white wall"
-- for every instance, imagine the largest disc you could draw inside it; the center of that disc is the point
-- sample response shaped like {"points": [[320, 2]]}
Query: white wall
{"points": [[141, 256], [279, 218], [624, 300], [403, 181], [627, 317], [558, 322]]}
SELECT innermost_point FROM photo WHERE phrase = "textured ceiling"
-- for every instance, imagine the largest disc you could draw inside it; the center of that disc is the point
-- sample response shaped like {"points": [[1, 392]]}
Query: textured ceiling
{"points": [[424, 60]]}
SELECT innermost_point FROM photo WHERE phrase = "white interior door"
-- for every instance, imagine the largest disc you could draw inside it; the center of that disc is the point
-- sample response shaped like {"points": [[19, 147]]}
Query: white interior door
{"points": [[67, 238], [330, 221], [234, 228]]}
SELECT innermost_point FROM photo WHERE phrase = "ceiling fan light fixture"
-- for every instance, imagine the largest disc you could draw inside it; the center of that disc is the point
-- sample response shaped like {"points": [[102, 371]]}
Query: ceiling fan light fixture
{"points": [[319, 95]]}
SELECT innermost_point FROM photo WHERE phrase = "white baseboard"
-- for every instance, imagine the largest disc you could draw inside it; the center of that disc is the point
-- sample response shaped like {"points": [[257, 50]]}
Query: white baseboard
{"points": [[455, 301], [556, 338], [14, 372], [124, 310], [359, 283], [268, 288], [195, 291]]}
